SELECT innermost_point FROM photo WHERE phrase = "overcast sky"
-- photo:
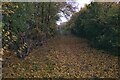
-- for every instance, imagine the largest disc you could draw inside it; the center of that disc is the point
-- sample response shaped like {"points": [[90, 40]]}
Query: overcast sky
{"points": [[81, 4]]}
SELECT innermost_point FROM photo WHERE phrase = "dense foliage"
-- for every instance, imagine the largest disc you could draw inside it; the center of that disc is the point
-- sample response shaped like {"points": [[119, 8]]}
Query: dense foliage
{"points": [[98, 22], [27, 24]]}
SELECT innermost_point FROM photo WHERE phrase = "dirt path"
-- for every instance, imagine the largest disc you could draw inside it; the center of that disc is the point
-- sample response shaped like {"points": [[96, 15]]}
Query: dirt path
{"points": [[66, 57]]}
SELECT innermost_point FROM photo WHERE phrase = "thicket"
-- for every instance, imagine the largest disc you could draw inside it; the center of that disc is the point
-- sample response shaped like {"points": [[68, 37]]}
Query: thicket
{"points": [[27, 25], [99, 23]]}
